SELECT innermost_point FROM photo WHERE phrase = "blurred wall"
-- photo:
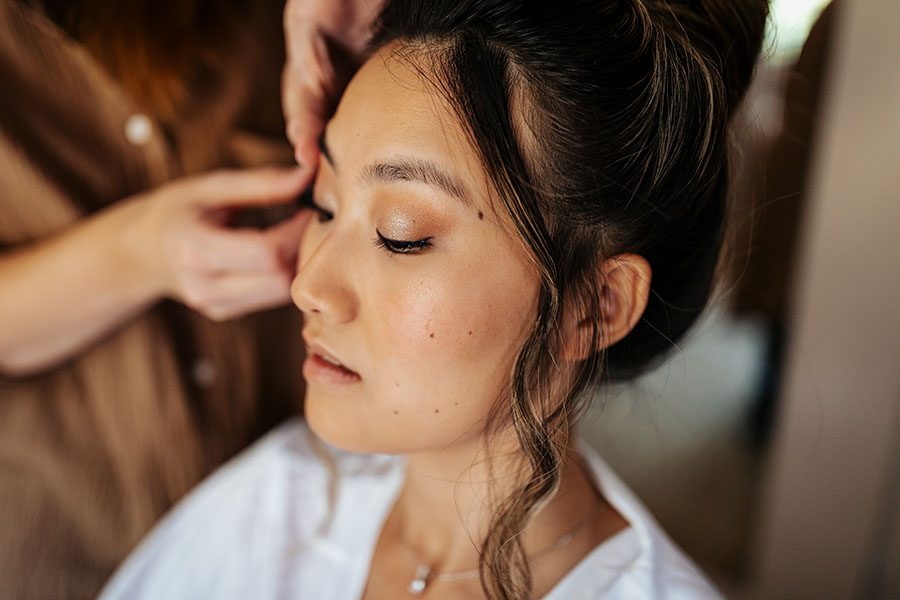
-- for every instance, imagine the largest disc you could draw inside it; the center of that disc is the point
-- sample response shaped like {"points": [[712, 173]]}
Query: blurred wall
{"points": [[829, 524]]}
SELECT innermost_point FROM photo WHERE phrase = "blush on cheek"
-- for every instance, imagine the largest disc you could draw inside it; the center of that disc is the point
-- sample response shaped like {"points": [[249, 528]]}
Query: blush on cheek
{"points": [[415, 322], [460, 325]]}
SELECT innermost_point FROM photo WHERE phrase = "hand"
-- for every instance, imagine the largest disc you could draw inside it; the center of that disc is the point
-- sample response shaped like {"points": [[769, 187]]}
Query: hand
{"points": [[324, 40], [184, 243]]}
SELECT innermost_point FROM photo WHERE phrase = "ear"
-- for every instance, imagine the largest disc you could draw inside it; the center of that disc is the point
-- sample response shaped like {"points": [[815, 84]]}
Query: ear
{"points": [[624, 284]]}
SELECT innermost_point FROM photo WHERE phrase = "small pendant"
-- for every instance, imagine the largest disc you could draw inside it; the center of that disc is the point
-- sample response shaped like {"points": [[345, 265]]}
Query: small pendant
{"points": [[417, 585]]}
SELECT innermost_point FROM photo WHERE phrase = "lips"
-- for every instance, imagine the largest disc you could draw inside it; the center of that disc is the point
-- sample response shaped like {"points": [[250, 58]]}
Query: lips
{"points": [[321, 366]]}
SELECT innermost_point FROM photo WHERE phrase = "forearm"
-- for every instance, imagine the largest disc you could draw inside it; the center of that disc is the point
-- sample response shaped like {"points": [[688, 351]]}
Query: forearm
{"points": [[65, 292]]}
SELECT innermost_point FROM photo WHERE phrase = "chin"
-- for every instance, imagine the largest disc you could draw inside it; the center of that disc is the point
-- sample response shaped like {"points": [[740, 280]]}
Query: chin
{"points": [[345, 433]]}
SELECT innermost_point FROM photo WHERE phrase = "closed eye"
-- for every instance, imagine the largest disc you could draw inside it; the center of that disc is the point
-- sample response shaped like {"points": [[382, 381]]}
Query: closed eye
{"points": [[402, 246]]}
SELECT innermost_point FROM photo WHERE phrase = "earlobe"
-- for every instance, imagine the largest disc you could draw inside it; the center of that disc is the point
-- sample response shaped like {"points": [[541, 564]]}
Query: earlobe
{"points": [[624, 283]]}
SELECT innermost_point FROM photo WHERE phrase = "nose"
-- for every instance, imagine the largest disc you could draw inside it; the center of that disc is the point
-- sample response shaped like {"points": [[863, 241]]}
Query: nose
{"points": [[323, 281]]}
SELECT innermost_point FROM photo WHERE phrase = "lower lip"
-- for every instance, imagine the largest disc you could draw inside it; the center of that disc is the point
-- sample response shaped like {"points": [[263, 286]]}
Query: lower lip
{"points": [[317, 369]]}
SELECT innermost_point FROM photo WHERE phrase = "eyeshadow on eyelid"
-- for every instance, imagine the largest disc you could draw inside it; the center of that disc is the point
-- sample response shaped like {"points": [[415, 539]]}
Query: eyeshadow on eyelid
{"points": [[407, 223], [402, 221]]}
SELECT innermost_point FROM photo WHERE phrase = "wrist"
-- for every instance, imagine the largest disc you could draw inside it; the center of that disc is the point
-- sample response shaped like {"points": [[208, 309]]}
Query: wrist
{"points": [[133, 249]]}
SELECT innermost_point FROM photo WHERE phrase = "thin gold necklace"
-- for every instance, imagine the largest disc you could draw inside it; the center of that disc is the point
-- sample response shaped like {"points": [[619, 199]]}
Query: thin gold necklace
{"points": [[424, 574]]}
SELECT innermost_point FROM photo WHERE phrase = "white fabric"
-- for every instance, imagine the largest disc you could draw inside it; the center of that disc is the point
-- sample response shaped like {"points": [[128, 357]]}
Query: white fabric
{"points": [[293, 518]]}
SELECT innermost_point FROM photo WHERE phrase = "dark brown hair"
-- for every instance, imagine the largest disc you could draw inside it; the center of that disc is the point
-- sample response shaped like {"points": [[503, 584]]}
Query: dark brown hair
{"points": [[602, 124]]}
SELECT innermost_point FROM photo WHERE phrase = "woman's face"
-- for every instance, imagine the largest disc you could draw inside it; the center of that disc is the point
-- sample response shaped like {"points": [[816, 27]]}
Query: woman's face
{"points": [[407, 278]]}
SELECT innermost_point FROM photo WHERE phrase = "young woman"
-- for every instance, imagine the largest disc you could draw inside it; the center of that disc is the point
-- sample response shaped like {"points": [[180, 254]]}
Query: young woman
{"points": [[515, 201]]}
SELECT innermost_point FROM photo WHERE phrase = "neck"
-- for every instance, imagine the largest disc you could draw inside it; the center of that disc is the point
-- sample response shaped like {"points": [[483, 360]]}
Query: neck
{"points": [[445, 509]]}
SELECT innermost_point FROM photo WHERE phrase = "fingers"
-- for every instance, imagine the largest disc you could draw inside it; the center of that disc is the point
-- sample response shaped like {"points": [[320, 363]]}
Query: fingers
{"points": [[210, 249], [227, 273], [213, 250], [309, 87], [303, 131], [234, 295], [316, 70], [250, 187]]}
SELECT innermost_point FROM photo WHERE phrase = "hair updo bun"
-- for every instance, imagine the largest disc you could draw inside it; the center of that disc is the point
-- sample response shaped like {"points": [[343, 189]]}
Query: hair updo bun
{"points": [[699, 57], [602, 124], [728, 33]]}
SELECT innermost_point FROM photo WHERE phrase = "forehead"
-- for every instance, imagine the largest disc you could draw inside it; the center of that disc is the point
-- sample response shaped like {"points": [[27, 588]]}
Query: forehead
{"points": [[391, 107]]}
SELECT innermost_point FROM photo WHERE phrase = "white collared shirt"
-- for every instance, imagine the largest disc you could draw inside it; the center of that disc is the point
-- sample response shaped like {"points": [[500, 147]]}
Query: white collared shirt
{"points": [[294, 518]]}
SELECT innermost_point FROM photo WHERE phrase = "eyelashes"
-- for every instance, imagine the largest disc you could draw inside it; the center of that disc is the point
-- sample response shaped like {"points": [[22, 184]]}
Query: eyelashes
{"points": [[324, 215], [401, 246]]}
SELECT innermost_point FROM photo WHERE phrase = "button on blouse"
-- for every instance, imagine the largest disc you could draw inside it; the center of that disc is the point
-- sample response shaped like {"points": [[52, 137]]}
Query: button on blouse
{"points": [[138, 129]]}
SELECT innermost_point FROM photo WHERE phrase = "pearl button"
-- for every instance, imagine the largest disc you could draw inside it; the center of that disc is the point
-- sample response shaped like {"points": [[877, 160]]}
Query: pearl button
{"points": [[204, 372], [138, 129]]}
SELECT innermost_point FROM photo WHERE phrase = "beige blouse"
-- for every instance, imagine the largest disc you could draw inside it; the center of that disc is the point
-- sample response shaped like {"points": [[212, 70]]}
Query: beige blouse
{"points": [[93, 451]]}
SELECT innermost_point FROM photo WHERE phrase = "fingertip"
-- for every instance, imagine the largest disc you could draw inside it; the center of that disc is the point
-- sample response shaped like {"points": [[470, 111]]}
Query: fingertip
{"points": [[280, 181], [296, 176], [298, 171], [306, 152], [293, 132]]}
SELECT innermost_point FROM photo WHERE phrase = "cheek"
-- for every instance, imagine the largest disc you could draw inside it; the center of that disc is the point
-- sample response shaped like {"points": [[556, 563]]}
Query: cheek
{"points": [[452, 323]]}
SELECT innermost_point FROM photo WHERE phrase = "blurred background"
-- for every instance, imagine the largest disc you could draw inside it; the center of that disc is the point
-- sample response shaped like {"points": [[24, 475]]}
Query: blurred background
{"points": [[769, 447]]}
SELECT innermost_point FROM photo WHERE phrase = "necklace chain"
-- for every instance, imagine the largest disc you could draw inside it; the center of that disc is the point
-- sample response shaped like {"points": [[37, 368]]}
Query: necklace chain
{"points": [[425, 575]]}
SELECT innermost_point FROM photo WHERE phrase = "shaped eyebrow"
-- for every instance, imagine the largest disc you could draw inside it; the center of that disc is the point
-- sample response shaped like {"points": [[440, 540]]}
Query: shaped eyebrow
{"points": [[418, 170], [406, 169]]}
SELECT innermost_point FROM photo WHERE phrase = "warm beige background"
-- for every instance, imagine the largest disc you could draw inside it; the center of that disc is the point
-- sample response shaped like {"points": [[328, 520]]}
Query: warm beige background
{"points": [[832, 508], [816, 513]]}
